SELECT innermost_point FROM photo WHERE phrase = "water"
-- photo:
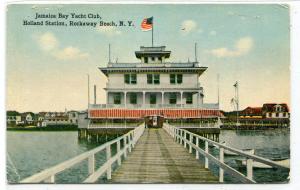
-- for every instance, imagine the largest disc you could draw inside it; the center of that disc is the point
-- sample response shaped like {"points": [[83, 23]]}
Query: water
{"points": [[271, 144], [32, 152]]}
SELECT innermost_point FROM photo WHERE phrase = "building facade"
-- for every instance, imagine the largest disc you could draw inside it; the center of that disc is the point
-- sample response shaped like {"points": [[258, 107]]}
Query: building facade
{"points": [[153, 86], [277, 111], [13, 118], [154, 83]]}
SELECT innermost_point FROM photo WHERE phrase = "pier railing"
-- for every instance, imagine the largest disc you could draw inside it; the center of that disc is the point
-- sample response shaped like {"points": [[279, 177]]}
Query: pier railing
{"points": [[129, 140], [187, 139]]}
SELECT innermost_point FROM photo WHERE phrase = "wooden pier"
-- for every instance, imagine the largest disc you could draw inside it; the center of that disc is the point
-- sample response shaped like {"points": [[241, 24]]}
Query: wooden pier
{"points": [[157, 158], [162, 155]]}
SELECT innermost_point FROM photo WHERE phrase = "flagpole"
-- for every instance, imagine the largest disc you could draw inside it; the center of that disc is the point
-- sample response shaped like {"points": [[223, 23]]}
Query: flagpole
{"points": [[152, 29]]}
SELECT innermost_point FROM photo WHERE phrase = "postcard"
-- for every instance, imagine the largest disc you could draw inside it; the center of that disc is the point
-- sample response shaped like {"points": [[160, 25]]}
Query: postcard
{"points": [[147, 93]]}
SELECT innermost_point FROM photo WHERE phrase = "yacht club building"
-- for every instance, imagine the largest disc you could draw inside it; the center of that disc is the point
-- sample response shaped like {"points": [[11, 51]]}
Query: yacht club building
{"points": [[153, 86]]}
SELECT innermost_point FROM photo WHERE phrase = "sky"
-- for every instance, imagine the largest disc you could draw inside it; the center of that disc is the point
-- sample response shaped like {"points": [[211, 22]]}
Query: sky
{"points": [[47, 66]]}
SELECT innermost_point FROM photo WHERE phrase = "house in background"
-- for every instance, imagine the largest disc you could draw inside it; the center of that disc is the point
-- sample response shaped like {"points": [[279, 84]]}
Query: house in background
{"points": [[57, 118], [267, 111], [28, 118], [251, 112], [13, 118], [73, 117], [274, 110]]}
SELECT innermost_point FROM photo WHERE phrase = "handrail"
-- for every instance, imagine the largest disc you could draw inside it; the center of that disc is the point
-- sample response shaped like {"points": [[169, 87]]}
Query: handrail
{"points": [[129, 140], [180, 136]]}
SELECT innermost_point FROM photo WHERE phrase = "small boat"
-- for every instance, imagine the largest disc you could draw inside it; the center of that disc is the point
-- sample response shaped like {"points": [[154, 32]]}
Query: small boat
{"points": [[285, 162], [248, 151], [229, 153]]}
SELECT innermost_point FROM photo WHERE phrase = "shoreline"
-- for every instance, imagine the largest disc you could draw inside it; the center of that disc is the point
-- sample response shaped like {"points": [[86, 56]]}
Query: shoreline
{"points": [[48, 128]]}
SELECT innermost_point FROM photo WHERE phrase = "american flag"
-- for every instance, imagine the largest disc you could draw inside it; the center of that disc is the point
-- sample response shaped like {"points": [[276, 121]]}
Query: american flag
{"points": [[147, 24]]}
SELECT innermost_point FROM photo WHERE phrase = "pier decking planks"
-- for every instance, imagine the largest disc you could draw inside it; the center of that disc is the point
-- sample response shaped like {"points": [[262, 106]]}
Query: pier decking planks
{"points": [[156, 158]]}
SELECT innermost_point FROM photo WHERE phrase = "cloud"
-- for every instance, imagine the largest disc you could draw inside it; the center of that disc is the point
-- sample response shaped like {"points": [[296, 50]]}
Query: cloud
{"points": [[50, 44], [200, 30], [70, 53], [47, 41], [188, 26], [213, 33], [242, 47], [109, 30]]}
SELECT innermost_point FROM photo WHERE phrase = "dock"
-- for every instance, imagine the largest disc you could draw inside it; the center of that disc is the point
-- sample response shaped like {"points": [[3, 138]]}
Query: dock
{"points": [[158, 159], [162, 155]]}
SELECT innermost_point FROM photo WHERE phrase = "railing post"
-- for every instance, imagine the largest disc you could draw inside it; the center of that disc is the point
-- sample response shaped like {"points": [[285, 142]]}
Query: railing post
{"points": [[181, 136], [184, 139], [108, 156], [132, 139], [118, 152], [129, 143], [197, 145], [91, 163], [173, 132], [125, 148], [175, 136], [249, 169], [221, 171], [191, 142], [206, 150], [50, 179]]}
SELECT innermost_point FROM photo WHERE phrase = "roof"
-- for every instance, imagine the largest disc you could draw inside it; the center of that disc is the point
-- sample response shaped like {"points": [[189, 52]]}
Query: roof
{"points": [[271, 107], [12, 113], [59, 117], [153, 51], [252, 111], [107, 70], [26, 113], [42, 113]]}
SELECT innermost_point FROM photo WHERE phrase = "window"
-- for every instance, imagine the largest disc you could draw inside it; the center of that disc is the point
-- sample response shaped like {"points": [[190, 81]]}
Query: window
{"points": [[284, 114], [149, 78], [175, 78], [146, 59], [133, 79], [277, 114], [179, 78], [270, 114], [133, 98], [189, 98], [152, 98], [156, 79], [152, 58], [160, 59], [172, 78], [153, 79], [117, 98], [130, 78], [172, 98]]}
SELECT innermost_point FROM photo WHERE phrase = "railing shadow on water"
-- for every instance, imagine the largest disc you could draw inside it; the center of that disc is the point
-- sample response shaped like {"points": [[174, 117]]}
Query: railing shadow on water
{"points": [[216, 161], [98, 162]]}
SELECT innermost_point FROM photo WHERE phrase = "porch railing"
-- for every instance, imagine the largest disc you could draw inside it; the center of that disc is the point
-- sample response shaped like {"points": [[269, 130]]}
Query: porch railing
{"points": [[155, 106]]}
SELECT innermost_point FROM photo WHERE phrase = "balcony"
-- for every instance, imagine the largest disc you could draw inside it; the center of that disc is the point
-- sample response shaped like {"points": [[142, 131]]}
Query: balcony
{"points": [[162, 86], [158, 65], [155, 48], [154, 106]]}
